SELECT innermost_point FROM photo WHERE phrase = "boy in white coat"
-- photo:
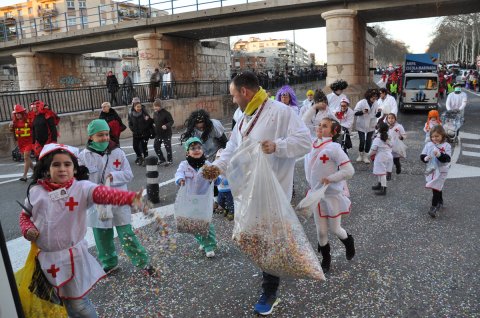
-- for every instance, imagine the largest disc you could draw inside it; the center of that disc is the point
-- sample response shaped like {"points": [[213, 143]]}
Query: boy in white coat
{"points": [[105, 160], [367, 116]]}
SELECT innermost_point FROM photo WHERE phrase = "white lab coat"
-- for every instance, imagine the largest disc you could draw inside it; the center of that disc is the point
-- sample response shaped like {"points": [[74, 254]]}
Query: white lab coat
{"points": [[312, 118], [277, 123], [456, 101], [116, 164], [334, 101], [388, 105], [366, 122]]}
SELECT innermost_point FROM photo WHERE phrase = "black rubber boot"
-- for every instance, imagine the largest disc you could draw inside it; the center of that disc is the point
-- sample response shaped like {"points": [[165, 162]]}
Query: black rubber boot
{"points": [[326, 258], [383, 191], [398, 166], [377, 187], [349, 246]]}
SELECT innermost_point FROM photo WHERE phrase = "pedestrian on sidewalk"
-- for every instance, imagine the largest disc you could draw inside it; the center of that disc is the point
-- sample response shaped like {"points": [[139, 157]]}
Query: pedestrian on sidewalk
{"points": [[163, 122], [396, 133], [127, 88], [188, 175], [437, 155], [61, 194], [155, 80], [112, 87], [141, 125], [21, 126], [329, 165], [381, 155], [106, 161], [283, 136], [367, 115]]}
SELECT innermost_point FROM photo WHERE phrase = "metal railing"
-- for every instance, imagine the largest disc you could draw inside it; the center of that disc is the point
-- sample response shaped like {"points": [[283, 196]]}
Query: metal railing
{"points": [[50, 20], [89, 98]]}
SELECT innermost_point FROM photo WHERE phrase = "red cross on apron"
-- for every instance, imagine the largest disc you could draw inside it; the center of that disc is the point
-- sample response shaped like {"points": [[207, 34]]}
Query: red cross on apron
{"points": [[53, 270], [71, 203], [117, 163], [324, 158]]}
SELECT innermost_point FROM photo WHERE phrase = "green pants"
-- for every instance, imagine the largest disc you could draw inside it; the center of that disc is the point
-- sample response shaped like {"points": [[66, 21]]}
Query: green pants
{"points": [[130, 244], [208, 242]]}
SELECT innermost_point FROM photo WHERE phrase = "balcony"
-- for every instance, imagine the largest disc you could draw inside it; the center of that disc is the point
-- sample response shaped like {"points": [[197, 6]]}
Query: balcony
{"points": [[127, 15], [49, 12], [9, 21], [47, 26]]}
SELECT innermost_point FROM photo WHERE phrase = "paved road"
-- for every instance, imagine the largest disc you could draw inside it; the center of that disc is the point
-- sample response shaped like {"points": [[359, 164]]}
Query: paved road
{"points": [[407, 264]]}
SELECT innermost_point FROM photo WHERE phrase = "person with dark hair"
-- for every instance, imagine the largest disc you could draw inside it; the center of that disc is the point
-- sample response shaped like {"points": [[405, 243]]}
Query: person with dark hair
{"points": [[286, 95], [60, 194], [167, 83], [163, 122], [318, 111], [437, 155], [112, 87], [386, 104], [127, 88], [336, 96], [155, 80], [283, 136], [210, 131], [141, 124], [345, 117], [114, 121], [367, 116], [381, 155]]}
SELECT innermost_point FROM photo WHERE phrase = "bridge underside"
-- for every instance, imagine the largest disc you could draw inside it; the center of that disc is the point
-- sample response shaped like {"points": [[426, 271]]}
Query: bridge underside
{"points": [[256, 17]]}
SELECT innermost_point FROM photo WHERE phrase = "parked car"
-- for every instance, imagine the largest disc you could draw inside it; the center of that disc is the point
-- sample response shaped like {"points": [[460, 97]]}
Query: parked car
{"points": [[462, 76]]}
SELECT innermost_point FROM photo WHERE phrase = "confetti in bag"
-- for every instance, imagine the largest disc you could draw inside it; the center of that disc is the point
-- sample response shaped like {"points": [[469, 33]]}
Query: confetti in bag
{"points": [[266, 227], [399, 148], [105, 211], [29, 287], [193, 212]]}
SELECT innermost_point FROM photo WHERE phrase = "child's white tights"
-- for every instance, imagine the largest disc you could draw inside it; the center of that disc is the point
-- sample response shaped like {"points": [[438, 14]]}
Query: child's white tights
{"points": [[323, 224], [383, 180]]}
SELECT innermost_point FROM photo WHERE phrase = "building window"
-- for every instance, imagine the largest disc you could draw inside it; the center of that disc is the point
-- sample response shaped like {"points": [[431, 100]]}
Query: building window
{"points": [[47, 5], [72, 21], [103, 22], [7, 14], [30, 10], [82, 4], [71, 4], [84, 20], [19, 13]]}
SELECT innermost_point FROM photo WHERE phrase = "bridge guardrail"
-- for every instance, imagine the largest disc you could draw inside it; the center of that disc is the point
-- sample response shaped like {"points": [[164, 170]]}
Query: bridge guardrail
{"points": [[89, 98]]}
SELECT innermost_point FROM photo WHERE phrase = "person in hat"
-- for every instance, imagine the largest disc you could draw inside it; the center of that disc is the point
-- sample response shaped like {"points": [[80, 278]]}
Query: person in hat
{"points": [[335, 97], [345, 117], [188, 175], [107, 162], [433, 120], [22, 126], [458, 100], [54, 216], [309, 100]]}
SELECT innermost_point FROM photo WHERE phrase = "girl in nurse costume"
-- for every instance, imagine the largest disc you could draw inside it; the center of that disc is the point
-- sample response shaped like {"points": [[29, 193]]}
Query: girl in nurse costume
{"points": [[437, 152], [329, 165], [54, 216], [381, 155]]}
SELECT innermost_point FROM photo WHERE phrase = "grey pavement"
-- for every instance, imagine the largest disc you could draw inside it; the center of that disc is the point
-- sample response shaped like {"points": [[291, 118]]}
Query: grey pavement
{"points": [[407, 264]]}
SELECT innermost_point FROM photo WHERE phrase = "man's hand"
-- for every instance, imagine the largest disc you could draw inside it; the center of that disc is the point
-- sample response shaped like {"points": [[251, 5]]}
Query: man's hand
{"points": [[32, 234], [268, 147]]}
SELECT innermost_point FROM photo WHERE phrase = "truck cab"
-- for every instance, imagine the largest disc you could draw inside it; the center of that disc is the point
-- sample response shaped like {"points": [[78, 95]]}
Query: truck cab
{"points": [[420, 91]]}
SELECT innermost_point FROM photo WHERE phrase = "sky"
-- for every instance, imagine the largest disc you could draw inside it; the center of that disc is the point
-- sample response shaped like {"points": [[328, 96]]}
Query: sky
{"points": [[314, 40]]}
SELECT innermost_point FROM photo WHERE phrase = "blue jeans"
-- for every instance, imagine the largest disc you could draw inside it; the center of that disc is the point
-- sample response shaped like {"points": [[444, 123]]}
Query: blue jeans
{"points": [[225, 200], [80, 308]]}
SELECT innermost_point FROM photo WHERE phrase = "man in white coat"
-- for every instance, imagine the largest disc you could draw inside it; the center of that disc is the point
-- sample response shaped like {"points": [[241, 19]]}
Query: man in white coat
{"points": [[282, 134], [457, 100], [386, 104]]}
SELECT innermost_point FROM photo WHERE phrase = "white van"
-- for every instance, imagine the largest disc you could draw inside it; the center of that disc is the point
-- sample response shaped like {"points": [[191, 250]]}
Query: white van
{"points": [[419, 91]]}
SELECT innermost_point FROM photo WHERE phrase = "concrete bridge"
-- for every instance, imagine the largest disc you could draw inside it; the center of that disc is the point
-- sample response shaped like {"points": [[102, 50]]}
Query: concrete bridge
{"points": [[349, 46]]}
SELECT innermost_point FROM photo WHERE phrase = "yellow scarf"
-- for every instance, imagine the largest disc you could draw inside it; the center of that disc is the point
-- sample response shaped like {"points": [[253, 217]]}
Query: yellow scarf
{"points": [[256, 101]]}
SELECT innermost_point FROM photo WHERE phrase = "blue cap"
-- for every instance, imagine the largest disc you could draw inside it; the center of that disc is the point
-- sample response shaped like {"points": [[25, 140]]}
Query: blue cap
{"points": [[190, 141]]}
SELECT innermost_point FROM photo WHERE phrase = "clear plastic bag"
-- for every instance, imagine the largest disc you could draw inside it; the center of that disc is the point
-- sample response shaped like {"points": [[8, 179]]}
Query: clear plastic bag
{"points": [[105, 211], [306, 207], [399, 148], [432, 166], [266, 227], [38, 298], [193, 212]]}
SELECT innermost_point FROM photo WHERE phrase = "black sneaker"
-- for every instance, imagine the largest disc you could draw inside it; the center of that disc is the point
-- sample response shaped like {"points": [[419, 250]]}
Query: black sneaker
{"points": [[433, 211], [265, 304]]}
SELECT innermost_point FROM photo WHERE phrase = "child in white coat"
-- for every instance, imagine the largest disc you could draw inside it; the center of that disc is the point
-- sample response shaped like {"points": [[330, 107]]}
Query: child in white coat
{"points": [[367, 115], [396, 132], [381, 154], [437, 154], [345, 116], [188, 175], [328, 164]]}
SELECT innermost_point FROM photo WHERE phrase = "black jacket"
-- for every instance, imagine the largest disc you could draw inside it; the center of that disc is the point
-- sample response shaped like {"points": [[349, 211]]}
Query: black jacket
{"points": [[141, 126], [160, 118], [112, 84], [44, 130]]}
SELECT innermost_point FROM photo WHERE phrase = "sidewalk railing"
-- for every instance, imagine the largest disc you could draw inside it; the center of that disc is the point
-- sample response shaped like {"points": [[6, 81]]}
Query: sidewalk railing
{"points": [[89, 98]]}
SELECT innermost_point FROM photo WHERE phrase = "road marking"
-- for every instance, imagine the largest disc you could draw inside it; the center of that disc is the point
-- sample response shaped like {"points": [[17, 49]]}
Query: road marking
{"points": [[469, 136], [469, 91], [471, 153], [461, 171], [471, 145]]}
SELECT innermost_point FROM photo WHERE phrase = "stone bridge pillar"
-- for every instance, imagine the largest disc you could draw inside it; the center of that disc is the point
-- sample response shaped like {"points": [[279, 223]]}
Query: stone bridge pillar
{"points": [[347, 54], [150, 54], [28, 75]]}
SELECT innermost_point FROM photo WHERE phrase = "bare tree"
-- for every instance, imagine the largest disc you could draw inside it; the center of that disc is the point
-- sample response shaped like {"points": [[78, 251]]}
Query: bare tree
{"points": [[388, 50]]}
